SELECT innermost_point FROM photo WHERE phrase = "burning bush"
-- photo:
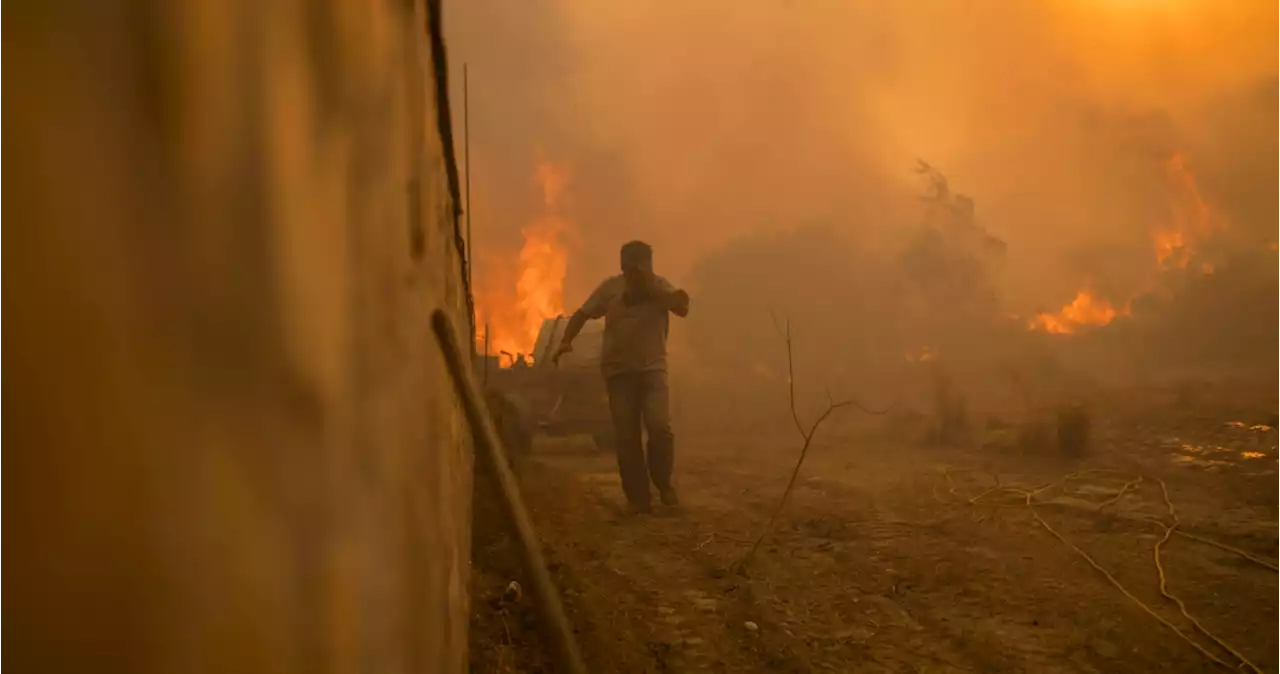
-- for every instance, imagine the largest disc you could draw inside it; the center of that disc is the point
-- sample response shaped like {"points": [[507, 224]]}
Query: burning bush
{"points": [[1224, 323]]}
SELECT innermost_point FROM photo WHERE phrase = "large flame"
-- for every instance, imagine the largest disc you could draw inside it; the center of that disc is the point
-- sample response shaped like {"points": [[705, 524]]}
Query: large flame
{"points": [[1177, 244], [1085, 310], [513, 304], [1192, 222]]}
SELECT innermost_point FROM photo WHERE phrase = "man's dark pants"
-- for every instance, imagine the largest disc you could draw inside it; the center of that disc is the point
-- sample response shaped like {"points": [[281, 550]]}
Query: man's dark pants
{"points": [[639, 400]]}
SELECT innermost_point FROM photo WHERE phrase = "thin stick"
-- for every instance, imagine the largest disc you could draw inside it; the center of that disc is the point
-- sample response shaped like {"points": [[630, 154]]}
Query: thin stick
{"points": [[466, 158], [490, 451], [486, 356], [807, 435]]}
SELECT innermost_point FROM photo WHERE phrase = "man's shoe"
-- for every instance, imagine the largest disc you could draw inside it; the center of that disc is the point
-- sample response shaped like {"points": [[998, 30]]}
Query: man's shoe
{"points": [[669, 497], [639, 508]]}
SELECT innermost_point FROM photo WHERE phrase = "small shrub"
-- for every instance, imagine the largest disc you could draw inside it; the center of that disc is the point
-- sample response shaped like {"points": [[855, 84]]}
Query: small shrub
{"points": [[1073, 430]]}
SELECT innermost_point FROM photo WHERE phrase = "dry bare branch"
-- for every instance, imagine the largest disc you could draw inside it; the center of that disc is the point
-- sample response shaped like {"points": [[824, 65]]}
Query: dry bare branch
{"points": [[805, 434]]}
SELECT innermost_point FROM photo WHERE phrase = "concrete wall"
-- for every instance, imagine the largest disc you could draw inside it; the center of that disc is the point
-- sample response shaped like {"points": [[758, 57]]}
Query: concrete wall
{"points": [[233, 446]]}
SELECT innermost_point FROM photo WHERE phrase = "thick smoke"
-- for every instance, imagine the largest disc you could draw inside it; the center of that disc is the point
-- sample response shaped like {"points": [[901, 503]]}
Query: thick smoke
{"points": [[766, 149]]}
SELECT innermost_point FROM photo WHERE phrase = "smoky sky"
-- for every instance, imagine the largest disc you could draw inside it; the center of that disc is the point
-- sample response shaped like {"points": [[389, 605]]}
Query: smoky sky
{"points": [[688, 124]]}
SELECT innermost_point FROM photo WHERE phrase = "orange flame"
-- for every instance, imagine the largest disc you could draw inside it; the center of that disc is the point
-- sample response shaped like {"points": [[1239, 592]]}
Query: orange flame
{"points": [[1193, 222], [514, 309], [1085, 310], [1177, 245]]}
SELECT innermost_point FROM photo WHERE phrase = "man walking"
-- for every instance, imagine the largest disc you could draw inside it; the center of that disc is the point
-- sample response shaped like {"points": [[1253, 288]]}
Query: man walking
{"points": [[633, 359]]}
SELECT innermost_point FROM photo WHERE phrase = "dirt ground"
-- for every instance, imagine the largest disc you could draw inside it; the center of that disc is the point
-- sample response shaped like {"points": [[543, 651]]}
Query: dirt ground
{"points": [[892, 557]]}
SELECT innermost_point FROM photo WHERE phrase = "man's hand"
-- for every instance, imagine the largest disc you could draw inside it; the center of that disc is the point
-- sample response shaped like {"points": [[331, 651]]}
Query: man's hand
{"points": [[565, 347], [676, 301]]}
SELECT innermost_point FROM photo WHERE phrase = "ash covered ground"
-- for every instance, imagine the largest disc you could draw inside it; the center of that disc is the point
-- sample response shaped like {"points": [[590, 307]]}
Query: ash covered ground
{"points": [[897, 555]]}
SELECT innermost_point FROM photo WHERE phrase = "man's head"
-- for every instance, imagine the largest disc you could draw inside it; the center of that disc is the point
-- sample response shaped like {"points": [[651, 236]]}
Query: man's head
{"points": [[637, 264]]}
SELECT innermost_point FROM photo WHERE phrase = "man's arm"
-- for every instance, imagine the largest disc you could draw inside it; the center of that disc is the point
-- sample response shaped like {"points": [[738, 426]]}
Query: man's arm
{"points": [[673, 299], [571, 330], [677, 302], [575, 325], [595, 307]]}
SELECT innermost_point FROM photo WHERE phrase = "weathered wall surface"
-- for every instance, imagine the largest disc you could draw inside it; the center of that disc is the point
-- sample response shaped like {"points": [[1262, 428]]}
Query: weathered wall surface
{"points": [[233, 445]]}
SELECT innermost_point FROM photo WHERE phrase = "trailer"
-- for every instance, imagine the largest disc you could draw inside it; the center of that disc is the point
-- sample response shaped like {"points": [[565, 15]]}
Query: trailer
{"points": [[530, 394]]}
